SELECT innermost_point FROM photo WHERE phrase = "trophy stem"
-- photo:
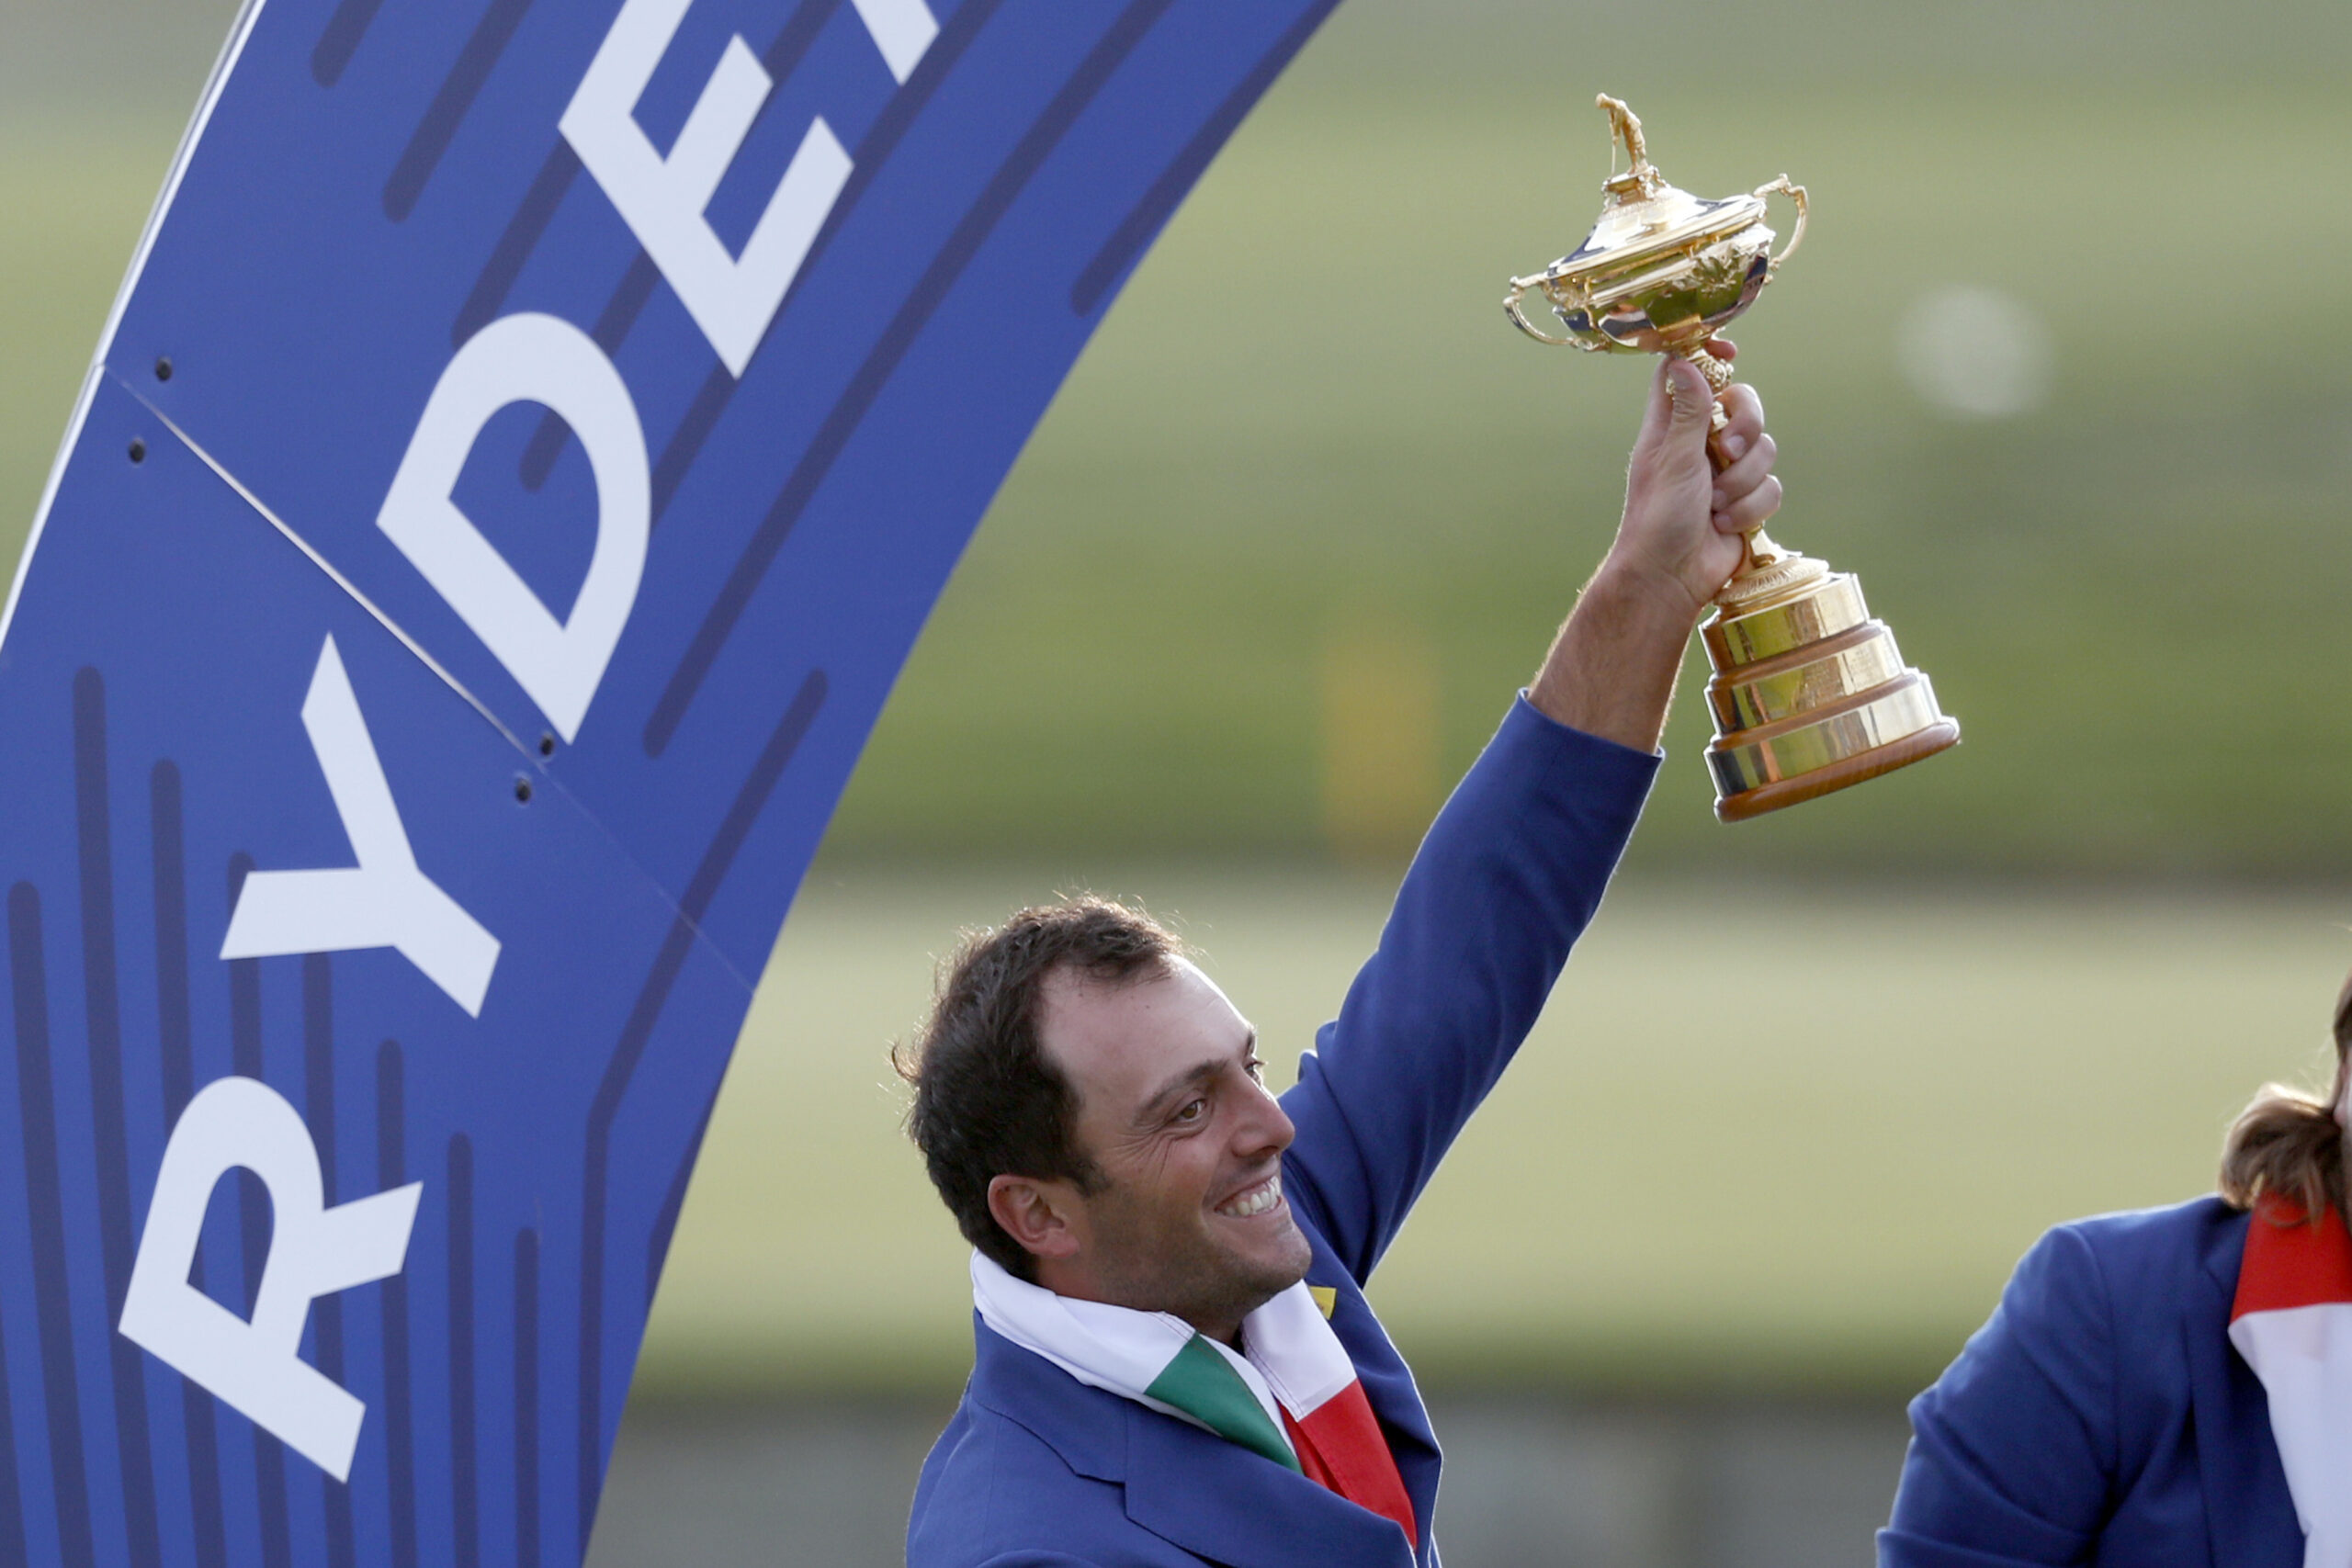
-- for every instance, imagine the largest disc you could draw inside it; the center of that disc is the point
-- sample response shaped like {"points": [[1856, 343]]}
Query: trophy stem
{"points": [[1769, 575], [1766, 570]]}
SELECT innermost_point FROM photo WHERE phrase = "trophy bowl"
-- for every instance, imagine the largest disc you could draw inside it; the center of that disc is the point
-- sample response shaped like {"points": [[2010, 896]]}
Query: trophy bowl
{"points": [[1809, 693], [1663, 271]]}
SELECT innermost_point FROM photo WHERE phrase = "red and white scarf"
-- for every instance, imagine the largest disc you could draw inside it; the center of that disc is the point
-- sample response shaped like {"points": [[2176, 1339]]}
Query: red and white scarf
{"points": [[2292, 1322], [1290, 1393]]}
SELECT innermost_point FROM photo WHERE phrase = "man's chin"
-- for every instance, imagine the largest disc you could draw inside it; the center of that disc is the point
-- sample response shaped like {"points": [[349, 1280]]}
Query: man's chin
{"points": [[1274, 1263], [1218, 1276]]}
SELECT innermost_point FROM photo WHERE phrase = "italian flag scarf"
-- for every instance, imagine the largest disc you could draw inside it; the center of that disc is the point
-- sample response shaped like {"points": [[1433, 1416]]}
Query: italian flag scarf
{"points": [[1291, 1394], [2292, 1322]]}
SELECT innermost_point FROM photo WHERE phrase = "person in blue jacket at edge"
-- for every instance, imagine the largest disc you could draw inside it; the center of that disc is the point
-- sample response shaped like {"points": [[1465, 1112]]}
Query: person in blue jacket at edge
{"points": [[1174, 1362], [2164, 1388]]}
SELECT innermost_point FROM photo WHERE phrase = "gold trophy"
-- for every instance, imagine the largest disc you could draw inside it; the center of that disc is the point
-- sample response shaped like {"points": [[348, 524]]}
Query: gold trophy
{"points": [[1809, 694]]}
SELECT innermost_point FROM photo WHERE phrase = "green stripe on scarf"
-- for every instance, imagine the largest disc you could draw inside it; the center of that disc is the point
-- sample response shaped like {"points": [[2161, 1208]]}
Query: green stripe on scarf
{"points": [[1204, 1386]]}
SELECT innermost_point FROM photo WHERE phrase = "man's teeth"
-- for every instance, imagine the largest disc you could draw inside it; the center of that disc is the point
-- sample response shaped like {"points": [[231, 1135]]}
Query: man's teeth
{"points": [[1256, 1201]]}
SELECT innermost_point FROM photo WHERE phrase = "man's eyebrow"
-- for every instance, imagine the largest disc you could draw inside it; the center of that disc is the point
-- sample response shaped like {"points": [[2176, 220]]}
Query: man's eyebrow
{"points": [[1199, 1073]]}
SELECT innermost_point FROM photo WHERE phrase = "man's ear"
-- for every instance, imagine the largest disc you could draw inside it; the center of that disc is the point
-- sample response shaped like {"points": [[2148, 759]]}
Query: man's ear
{"points": [[1034, 1213]]}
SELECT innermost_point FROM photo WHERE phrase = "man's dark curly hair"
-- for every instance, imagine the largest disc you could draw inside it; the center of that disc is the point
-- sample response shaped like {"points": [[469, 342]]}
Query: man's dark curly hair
{"points": [[987, 1100]]}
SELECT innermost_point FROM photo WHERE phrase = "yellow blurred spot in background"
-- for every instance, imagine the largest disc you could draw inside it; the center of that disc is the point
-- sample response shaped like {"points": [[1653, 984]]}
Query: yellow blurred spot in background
{"points": [[1379, 707]]}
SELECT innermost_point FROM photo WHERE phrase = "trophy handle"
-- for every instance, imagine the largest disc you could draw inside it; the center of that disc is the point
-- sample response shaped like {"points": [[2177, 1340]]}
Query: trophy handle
{"points": [[1518, 288], [1794, 193]]}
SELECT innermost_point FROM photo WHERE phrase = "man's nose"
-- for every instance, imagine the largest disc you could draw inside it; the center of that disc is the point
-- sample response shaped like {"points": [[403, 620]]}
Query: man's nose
{"points": [[1265, 1129]]}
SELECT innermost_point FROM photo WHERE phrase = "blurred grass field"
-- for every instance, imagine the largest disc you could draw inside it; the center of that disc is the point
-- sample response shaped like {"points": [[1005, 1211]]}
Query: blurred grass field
{"points": [[1734, 1157], [1305, 514], [1306, 427], [1305, 431]]}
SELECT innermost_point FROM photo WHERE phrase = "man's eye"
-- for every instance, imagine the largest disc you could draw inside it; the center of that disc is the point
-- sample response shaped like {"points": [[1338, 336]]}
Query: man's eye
{"points": [[1257, 1069], [1193, 1110]]}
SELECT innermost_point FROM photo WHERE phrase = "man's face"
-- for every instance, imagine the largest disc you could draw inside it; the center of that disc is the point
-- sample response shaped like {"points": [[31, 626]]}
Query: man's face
{"points": [[1191, 1217]]}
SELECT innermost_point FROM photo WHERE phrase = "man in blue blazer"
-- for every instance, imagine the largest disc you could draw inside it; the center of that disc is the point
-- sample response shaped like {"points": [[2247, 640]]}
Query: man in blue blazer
{"points": [[2162, 1389], [2102, 1416], [1174, 1362]]}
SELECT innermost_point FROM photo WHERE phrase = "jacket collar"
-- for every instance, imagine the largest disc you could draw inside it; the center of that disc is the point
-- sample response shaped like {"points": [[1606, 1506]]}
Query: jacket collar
{"points": [[1087, 1426], [1387, 1384], [1213, 1498], [1218, 1500], [2245, 1485], [1209, 1496]]}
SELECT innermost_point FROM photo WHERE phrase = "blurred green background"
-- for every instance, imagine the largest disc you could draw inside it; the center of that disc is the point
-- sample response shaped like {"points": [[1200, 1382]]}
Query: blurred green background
{"points": [[2056, 374]]}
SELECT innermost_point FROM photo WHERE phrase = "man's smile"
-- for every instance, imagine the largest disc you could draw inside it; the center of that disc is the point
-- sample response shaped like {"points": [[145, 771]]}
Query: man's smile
{"points": [[1256, 1198]]}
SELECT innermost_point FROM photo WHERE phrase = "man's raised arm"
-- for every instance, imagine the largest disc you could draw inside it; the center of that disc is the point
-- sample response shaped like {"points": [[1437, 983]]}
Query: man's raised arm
{"points": [[1516, 862]]}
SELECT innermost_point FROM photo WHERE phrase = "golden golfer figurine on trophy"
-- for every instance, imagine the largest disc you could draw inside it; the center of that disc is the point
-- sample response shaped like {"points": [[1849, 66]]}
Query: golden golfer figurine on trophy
{"points": [[1809, 694]]}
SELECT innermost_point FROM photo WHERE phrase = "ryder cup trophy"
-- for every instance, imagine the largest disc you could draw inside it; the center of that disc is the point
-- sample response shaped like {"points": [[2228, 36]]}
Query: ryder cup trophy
{"points": [[1809, 694]]}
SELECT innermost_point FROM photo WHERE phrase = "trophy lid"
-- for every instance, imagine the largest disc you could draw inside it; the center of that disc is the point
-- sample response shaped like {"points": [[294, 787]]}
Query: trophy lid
{"points": [[1643, 217]]}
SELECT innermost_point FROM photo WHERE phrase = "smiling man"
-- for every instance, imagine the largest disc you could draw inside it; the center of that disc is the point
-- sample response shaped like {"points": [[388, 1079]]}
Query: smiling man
{"points": [[1174, 1360]]}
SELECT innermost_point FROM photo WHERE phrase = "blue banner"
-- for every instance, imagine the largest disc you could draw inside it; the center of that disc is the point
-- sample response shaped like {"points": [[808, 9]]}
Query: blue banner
{"points": [[529, 441]]}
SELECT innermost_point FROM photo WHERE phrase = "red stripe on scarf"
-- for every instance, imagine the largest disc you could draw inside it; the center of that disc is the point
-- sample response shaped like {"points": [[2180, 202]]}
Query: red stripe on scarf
{"points": [[2290, 1262], [1341, 1446]]}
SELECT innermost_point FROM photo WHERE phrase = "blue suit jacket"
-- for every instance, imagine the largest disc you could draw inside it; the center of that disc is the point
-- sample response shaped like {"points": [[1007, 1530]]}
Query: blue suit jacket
{"points": [[2101, 1415], [1038, 1471]]}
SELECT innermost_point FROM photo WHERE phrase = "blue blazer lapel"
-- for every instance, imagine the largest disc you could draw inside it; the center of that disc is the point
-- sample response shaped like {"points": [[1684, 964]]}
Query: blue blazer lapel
{"points": [[1086, 1426], [1388, 1385], [1190, 1487], [2249, 1514], [1219, 1500]]}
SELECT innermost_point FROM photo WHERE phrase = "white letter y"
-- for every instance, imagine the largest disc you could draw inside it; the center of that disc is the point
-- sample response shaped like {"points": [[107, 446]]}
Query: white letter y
{"points": [[384, 901]]}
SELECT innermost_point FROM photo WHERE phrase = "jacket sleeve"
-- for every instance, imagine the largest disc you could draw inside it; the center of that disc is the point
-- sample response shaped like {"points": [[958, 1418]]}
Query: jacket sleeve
{"points": [[2014, 1451], [1506, 879]]}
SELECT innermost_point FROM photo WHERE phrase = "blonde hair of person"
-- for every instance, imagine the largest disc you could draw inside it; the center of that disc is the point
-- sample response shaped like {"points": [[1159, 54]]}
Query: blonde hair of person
{"points": [[2288, 1142]]}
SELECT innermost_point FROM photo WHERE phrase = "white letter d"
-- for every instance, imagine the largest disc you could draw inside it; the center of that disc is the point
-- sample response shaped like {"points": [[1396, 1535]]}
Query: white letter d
{"points": [[529, 358]]}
